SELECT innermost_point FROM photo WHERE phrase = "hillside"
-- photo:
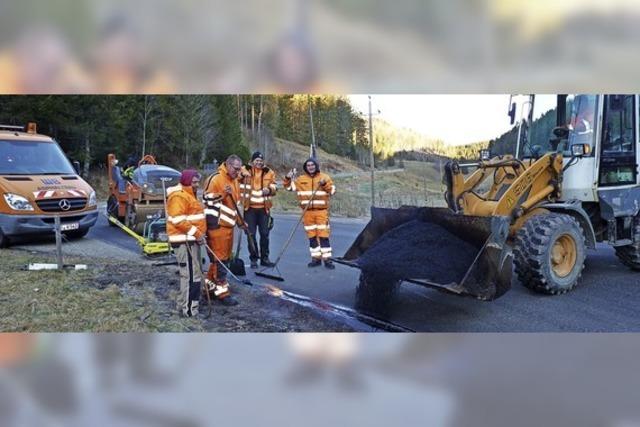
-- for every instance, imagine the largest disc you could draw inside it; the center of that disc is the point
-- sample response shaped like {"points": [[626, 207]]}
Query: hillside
{"points": [[417, 183]]}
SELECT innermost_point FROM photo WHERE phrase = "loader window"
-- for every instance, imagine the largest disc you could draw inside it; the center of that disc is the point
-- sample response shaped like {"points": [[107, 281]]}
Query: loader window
{"points": [[543, 122], [618, 152], [582, 109]]}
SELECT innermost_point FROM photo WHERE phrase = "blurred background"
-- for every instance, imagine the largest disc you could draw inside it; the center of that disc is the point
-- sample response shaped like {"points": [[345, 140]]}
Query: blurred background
{"points": [[319, 379], [330, 46]]}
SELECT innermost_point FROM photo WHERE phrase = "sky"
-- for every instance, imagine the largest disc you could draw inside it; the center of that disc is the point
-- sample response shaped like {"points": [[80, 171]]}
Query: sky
{"points": [[456, 119]]}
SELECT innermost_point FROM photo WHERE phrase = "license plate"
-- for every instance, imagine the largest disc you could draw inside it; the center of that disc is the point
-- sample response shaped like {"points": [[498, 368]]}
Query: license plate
{"points": [[70, 226]]}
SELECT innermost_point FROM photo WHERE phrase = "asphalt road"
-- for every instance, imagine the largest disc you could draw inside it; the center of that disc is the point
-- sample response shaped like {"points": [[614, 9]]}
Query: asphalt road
{"points": [[607, 298]]}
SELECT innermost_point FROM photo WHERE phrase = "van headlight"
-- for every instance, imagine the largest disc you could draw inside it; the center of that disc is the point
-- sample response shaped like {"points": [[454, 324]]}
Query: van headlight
{"points": [[17, 203], [92, 199]]}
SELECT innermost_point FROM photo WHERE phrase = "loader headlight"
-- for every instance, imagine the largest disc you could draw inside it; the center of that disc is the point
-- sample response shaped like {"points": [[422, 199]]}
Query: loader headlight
{"points": [[485, 155], [92, 199], [17, 203]]}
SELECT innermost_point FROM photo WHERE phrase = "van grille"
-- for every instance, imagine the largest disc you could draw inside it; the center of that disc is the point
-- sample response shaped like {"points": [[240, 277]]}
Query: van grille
{"points": [[53, 205]]}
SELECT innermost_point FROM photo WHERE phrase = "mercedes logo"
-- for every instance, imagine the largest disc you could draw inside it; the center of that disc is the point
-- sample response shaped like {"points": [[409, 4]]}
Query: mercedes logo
{"points": [[64, 205]]}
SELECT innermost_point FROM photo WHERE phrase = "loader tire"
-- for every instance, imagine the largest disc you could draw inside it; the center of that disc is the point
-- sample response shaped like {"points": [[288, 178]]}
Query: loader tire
{"points": [[549, 253], [375, 296], [629, 255]]}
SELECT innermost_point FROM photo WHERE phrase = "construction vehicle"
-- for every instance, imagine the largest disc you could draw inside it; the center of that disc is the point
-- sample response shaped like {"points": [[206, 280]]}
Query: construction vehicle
{"points": [[569, 181], [154, 240], [138, 197], [38, 183]]}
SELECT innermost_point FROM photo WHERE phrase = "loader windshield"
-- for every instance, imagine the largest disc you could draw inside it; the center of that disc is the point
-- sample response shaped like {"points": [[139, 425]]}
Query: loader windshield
{"points": [[537, 141], [33, 158], [580, 113]]}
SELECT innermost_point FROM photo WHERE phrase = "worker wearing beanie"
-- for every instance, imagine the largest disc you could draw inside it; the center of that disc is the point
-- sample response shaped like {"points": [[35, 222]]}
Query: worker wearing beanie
{"points": [[186, 228], [314, 189], [258, 186], [221, 190]]}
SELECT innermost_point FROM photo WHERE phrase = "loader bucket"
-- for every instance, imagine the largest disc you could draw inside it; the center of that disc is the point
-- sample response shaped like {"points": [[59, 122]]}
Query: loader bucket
{"points": [[434, 247]]}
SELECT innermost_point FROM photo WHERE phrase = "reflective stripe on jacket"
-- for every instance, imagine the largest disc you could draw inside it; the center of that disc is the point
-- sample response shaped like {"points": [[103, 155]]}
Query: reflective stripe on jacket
{"points": [[185, 215], [305, 185], [251, 187], [219, 208]]}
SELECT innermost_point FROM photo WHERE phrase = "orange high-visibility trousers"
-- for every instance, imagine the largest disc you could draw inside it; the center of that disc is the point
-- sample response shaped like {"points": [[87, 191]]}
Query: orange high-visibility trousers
{"points": [[220, 241], [316, 223]]}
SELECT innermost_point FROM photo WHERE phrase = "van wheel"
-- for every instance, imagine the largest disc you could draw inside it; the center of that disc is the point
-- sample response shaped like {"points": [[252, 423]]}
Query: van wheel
{"points": [[4, 240]]}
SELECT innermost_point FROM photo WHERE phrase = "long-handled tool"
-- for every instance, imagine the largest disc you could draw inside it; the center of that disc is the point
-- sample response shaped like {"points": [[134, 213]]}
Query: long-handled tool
{"points": [[243, 281], [164, 200], [149, 248], [279, 277], [203, 280], [235, 264]]}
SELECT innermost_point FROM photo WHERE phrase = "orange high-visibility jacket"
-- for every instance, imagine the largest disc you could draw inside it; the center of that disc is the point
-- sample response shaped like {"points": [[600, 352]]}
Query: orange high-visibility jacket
{"points": [[219, 207], [304, 186], [185, 215], [251, 187]]}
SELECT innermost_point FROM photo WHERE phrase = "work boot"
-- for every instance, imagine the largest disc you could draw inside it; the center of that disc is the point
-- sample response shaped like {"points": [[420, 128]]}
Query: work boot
{"points": [[266, 263], [314, 263], [254, 263], [228, 301], [329, 264]]}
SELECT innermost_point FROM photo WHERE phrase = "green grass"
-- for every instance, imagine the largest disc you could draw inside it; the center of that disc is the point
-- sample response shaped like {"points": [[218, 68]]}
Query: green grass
{"points": [[53, 301]]}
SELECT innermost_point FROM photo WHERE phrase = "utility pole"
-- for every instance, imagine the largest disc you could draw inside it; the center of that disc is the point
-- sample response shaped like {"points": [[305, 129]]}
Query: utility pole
{"points": [[312, 151], [371, 157]]}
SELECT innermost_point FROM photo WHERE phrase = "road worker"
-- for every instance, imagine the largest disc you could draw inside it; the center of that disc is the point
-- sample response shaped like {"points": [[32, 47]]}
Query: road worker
{"points": [[186, 228], [314, 189], [258, 186], [221, 195]]}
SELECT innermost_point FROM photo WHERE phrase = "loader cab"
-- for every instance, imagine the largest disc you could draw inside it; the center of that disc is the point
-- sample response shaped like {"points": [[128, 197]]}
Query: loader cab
{"points": [[618, 148], [607, 124]]}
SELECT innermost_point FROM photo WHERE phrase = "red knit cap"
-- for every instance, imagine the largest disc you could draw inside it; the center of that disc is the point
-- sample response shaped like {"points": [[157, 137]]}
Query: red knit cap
{"points": [[187, 177]]}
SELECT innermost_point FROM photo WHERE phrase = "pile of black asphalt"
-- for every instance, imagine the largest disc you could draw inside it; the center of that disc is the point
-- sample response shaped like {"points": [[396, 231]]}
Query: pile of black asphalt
{"points": [[418, 250]]}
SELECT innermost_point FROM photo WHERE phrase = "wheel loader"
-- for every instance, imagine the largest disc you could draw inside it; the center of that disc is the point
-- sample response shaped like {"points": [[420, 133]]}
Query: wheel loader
{"points": [[567, 181], [138, 197]]}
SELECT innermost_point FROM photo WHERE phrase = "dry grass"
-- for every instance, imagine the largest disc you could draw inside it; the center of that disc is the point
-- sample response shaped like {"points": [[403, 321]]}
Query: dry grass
{"points": [[52, 301]]}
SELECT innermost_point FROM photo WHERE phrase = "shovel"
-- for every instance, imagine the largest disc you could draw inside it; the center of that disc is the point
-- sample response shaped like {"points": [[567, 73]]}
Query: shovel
{"points": [[237, 264]]}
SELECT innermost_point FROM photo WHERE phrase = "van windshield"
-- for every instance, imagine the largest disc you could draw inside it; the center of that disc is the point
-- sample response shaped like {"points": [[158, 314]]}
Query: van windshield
{"points": [[33, 158]]}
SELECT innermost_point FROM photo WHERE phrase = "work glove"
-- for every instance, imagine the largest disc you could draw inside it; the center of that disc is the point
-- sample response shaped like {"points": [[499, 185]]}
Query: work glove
{"points": [[266, 191], [201, 240], [323, 182]]}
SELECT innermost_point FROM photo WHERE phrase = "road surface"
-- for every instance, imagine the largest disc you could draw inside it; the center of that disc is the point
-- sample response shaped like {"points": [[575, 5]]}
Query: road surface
{"points": [[607, 298]]}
